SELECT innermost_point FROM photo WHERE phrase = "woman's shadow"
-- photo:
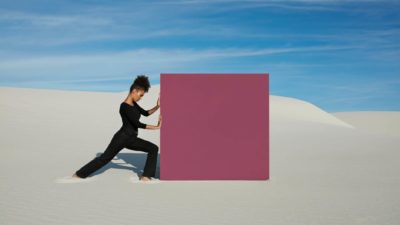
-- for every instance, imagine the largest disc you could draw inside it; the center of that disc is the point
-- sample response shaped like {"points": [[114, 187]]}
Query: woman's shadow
{"points": [[136, 160]]}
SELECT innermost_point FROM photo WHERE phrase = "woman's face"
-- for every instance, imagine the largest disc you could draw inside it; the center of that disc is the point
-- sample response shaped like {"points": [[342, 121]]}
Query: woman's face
{"points": [[137, 94]]}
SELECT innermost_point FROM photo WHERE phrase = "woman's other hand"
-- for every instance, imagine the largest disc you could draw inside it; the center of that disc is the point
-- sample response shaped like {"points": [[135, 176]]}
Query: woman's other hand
{"points": [[159, 121]]}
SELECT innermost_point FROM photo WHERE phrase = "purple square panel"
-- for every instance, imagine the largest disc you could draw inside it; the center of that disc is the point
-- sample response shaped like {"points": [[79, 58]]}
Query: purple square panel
{"points": [[214, 126]]}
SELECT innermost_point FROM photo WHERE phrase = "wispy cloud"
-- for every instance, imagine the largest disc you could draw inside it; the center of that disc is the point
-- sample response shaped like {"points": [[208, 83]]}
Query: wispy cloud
{"points": [[147, 55], [19, 18], [298, 5]]}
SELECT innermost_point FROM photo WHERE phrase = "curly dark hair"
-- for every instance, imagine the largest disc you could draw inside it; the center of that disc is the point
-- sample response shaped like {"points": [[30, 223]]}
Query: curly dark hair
{"points": [[141, 82]]}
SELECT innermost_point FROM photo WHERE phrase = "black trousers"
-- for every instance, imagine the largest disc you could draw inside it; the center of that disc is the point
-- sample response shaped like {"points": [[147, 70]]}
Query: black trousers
{"points": [[119, 141]]}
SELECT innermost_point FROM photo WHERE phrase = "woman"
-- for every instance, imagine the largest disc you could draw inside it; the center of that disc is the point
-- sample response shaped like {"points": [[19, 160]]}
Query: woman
{"points": [[126, 136]]}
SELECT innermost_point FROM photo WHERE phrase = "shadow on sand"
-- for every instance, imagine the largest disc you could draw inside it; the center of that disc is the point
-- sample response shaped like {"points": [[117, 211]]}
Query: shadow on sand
{"points": [[130, 161]]}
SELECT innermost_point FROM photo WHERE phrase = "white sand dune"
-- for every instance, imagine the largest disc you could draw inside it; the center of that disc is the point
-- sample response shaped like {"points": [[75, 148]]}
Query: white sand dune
{"points": [[291, 109], [324, 168], [386, 122]]}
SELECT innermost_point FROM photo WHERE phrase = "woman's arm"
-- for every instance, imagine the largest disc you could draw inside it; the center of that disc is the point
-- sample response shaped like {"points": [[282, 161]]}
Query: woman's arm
{"points": [[151, 111], [151, 127], [130, 115]]}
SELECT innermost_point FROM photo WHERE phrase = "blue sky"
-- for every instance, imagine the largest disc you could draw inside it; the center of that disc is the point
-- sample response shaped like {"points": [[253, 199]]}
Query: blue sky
{"points": [[341, 55]]}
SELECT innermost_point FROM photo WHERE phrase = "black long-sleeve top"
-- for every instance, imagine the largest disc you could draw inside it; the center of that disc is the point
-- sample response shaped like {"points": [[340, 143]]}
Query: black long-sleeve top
{"points": [[130, 115]]}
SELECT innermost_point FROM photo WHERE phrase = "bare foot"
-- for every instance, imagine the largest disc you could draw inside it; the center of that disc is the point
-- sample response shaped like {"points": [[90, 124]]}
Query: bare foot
{"points": [[143, 178], [76, 176]]}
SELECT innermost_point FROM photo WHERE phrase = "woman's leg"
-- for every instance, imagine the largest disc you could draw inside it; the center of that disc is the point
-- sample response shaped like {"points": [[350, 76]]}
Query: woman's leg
{"points": [[116, 144], [152, 154]]}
